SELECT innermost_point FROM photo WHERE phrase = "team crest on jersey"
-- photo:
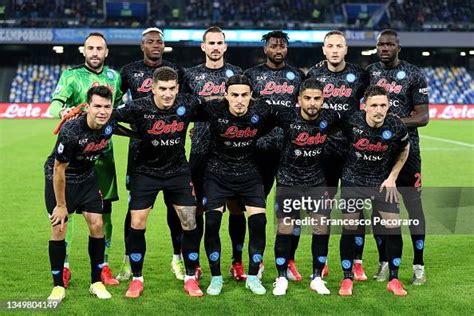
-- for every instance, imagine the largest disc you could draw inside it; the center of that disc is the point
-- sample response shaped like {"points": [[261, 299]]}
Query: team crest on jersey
{"points": [[323, 124], [229, 73], [181, 110], [290, 75], [60, 148], [108, 130], [350, 77], [110, 74], [401, 75], [254, 119], [387, 134]]}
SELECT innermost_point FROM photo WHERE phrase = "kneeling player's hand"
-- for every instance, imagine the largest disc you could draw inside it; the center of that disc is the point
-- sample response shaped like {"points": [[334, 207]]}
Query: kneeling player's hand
{"points": [[391, 194], [191, 132], [59, 216]]}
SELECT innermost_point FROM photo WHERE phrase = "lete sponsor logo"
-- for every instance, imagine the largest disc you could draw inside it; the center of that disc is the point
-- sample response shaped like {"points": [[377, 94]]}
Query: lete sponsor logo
{"points": [[24, 110], [452, 111]]}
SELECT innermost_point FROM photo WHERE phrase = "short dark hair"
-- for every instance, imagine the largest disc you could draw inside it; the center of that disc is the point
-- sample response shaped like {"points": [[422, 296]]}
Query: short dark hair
{"points": [[165, 74], [334, 32], [389, 32], [212, 29], [238, 79], [96, 34], [275, 34], [373, 91], [311, 83], [101, 91]]}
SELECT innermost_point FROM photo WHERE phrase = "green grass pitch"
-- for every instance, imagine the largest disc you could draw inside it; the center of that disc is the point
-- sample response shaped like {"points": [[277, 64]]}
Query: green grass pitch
{"points": [[25, 271]]}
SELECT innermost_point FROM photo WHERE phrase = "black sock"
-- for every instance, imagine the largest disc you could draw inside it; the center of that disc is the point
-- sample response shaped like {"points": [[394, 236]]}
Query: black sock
{"points": [[237, 229], [319, 250], [412, 201], [96, 256], [200, 233], [379, 237], [359, 240], [190, 250], [346, 249], [174, 224], [257, 223], [394, 246], [418, 242], [212, 241], [137, 246], [295, 240], [57, 254], [126, 230], [282, 251]]}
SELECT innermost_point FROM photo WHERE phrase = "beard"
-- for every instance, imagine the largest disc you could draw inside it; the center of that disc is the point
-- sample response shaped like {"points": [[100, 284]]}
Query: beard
{"points": [[92, 66]]}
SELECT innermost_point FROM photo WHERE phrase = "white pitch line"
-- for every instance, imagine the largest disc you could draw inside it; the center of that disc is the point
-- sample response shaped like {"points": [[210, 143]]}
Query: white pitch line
{"points": [[445, 149], [449, 141]]}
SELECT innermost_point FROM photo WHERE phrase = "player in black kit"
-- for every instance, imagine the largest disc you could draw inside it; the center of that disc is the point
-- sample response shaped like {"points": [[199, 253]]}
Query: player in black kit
{"points": [[138, 78], [208, 81], [235, 124], [161, 121], [408, 94], [279, 82], [344, 86], [379, 147], [72, 186], [300, 174]]}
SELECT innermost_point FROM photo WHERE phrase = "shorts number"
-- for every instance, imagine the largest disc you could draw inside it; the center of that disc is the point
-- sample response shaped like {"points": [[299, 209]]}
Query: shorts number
{"points": [[418, 180]]}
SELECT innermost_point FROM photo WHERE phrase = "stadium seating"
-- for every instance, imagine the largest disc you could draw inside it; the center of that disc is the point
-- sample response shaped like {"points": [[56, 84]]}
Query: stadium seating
{"points": [[450, 85], [35, 83]]}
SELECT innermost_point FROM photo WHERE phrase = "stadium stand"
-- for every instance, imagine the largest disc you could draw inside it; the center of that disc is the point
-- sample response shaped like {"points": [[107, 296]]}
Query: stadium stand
{"points": [[430, 15], [36, 82]]}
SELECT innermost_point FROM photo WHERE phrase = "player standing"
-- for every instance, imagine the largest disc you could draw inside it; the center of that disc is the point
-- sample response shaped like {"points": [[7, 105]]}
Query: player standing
{"points": [[344, 86], [72, 186], [300, 174], [408, 93], [379, 148], [71, 91], [279, 82], [138, 78], [161, 121], [231, 172], [208, 81]]}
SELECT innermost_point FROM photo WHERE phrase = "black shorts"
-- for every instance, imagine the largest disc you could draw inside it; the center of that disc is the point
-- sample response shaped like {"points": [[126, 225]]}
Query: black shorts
{"points": [[179, 190], [218, 189], [410, 175], [267, 163], [197, 163], [332, 167], [80, 197], [356, 196], [289, 200]]}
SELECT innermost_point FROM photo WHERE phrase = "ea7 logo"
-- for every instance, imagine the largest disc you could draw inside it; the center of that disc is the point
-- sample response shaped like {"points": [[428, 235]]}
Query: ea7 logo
{"points": [[376, 73], [423, 90], [200, 77], [262, 77], [221, 120], [357, 131], [322, 79]]}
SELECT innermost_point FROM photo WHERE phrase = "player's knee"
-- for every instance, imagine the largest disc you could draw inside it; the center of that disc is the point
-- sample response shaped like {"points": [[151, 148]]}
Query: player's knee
{"points": [[138, 222], [96, 226], [285, 229], [187, 216], [57, 234]]}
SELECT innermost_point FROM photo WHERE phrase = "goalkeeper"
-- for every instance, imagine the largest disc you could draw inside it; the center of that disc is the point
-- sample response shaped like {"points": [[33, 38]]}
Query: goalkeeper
{"points": [[70, 92]]}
